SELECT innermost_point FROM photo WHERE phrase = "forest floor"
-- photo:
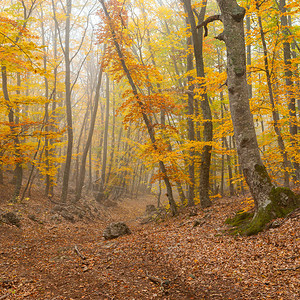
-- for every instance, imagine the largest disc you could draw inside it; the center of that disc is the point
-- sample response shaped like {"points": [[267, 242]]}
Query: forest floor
{"points": [[52, 258]]}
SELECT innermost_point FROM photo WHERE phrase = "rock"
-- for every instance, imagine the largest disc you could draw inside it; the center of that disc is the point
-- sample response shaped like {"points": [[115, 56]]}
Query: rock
{"points": [[56, 218], [67, 215], [198, 222], [150, 209], [153, 214], [11, 218], [35, 219], [114, 230]]}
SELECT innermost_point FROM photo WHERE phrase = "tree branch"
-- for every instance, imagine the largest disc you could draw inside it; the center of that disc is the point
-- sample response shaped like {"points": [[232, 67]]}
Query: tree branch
{"points": [[207, 21]]}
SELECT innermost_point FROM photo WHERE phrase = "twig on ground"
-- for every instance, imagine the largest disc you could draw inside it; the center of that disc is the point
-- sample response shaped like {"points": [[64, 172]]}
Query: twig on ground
{"points": [[163, 283], [78, 253], [289, 269]]}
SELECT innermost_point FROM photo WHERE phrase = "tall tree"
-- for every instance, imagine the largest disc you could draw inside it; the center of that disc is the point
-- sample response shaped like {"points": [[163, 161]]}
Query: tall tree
{"points": [[275, 113], [101, 194], [147, 120], [289, 82], [90, 136], [270, 201], [197, 37], [66, 50]]}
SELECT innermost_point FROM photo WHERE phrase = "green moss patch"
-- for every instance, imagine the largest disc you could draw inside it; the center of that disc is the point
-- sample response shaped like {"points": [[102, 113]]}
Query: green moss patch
{"points": [[239, 218], [239, 221], [283, 201]]}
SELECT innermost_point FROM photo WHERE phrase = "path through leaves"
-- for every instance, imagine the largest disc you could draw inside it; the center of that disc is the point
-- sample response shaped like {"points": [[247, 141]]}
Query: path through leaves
{"points": [[171, 260]]}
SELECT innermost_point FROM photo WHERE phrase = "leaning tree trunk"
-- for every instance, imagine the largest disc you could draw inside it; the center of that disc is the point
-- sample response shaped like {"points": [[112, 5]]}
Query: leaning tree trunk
{"points": [[269, 201], [146, 118]]}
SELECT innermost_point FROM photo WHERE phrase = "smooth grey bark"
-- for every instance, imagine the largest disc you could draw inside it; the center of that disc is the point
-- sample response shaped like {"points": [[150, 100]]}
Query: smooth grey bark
{"points": [[231, 187], [52, 151], [246, 142], [79, 142], [248, 50], [47, 129], [223, 147], [269, 201], [18, 172], [112, 150], [204, 183]]}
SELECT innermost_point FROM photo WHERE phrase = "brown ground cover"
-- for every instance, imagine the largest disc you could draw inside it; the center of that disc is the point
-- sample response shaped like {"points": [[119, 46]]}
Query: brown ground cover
{"points": [[172, 259]]}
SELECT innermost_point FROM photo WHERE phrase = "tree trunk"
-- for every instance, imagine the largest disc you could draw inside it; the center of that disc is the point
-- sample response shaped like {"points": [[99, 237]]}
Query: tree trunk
{"points": [[101, 194], [190, 123], [47, 181], [204, 103], [289, 84], [18, 172], [146, 119], [269, 200], [67, 169], [275, 113], [89, 139], [112, 150]]}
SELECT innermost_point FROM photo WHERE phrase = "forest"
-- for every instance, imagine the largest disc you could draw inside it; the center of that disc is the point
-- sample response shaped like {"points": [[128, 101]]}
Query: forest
{"points": [[180, 118]]}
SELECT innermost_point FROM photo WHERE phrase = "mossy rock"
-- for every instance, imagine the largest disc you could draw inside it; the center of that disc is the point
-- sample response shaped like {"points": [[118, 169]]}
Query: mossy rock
{"points": [[239, 222], [240, 218], [282, 202]]}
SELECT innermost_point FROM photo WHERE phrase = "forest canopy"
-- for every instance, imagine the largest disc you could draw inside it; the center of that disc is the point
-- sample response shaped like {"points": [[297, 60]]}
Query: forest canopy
{"points": [[122, 97]]}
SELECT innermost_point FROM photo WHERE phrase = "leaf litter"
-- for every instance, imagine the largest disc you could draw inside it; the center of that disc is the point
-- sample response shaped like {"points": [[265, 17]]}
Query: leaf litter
{"points": [[170, 259]]}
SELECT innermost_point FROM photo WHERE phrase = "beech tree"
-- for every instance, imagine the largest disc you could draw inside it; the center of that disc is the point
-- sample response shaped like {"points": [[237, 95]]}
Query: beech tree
{"points": [[114, 39], [270, 201], [204, 103]]}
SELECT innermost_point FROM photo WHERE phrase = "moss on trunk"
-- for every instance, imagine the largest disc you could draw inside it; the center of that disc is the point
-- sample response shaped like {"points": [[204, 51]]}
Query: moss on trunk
{"points": [[282, 202]]}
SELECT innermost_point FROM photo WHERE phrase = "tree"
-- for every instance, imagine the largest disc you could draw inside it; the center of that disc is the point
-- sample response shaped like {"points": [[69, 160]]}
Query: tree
{"points": [[115, 40], [204, 103], [16, 52], [289, 81], [270, 201], [90, 136], [69, 84]]}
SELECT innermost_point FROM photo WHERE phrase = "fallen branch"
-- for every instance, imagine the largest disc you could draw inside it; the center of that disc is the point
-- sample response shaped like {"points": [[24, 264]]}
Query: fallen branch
{"points": [[163, 283], [78, 253], [289, 269]]}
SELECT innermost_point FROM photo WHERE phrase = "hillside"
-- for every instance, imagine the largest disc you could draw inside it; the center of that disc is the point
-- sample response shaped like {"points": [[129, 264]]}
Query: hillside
{"points": [[51, 258]]}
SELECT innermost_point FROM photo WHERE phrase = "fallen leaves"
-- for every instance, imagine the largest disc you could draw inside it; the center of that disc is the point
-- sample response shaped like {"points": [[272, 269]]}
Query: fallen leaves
{"points": [[170, 260]]}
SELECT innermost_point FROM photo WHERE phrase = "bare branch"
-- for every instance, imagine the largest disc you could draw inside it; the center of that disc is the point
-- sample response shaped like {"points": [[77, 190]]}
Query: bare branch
{"points": [[207, 21]]}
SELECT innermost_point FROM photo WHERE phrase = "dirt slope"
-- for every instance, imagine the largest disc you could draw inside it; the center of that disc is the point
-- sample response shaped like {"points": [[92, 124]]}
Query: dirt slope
{"points": [[169, 260]]}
